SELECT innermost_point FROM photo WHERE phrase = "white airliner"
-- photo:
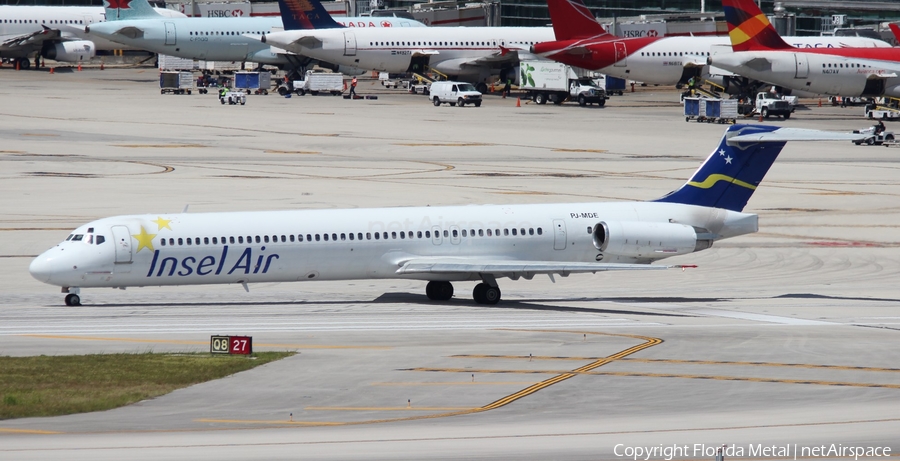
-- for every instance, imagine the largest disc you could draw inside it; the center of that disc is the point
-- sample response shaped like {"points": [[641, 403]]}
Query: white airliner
{"points": [[760, 53], [437, 244], [222, 39], [582, 42], [54, 32], [471, 54]]}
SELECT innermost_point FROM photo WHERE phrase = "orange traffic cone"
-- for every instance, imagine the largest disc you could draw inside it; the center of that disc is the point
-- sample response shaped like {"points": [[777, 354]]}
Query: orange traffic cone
{"points": [[17, 65], [820, 102], [51, 70], [518, 102], [79, 67], [101, 66], [760, 117]]}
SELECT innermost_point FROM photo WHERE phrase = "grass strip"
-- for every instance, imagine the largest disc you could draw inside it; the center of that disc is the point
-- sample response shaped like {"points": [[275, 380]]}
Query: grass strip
{"points": [[62, 385]]}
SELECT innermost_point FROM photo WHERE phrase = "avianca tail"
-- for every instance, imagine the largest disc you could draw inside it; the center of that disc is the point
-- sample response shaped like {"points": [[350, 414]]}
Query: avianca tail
{"points": [[53, 32], [437, 244], [761, 54], [471, 54], [582, 42], [220, 39]]}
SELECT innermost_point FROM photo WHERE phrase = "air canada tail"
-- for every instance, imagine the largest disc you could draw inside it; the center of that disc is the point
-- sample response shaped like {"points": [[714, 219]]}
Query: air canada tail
{"points": [[305, 14], [749, 28], [731, 174], [129, 9], [572, 20]]}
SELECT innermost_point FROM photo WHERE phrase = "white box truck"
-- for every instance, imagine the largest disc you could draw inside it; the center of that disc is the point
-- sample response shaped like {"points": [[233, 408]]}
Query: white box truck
{"points": [[319, 82], [552, 81]]}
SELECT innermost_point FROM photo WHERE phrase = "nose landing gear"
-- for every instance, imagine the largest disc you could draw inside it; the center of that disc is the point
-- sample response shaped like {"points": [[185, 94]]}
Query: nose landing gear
{"points": [[72, 298]]}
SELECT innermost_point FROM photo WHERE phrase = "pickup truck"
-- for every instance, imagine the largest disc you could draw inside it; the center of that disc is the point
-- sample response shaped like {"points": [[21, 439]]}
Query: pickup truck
{"points": [[768, 104]]}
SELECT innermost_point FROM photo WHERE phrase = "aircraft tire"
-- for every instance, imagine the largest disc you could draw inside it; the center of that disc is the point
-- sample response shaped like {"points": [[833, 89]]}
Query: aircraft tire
{"points": [[439, 290], [491, 295], [478, 293], [73, 300]]}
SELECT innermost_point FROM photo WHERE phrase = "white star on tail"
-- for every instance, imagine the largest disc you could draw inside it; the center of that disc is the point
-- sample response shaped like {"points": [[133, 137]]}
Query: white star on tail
{"points": [[728, 160]]}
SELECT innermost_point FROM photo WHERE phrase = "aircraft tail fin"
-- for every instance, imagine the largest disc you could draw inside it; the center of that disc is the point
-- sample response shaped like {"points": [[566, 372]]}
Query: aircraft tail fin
{"points": [[895, 29], [305, 14], [129, 9], [731, 174], [749, 28], [572, 20]]}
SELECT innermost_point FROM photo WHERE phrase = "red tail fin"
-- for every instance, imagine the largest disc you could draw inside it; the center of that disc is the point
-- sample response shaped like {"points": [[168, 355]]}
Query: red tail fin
{"points": [[896, 30], [749, 28], [572, 20]]}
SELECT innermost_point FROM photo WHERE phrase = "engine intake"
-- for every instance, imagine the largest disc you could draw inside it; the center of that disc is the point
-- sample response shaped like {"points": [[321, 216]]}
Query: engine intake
{"points": [[648, 239], [74, 51]]}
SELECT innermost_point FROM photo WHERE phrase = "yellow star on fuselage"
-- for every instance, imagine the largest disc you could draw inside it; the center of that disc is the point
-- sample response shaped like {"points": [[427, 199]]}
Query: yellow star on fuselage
{"points": [[144, 239], [162, 223]]}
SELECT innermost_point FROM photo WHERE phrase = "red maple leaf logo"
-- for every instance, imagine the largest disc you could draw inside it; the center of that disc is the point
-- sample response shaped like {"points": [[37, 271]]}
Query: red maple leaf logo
{"points": [[386, 24], [119, 4]]}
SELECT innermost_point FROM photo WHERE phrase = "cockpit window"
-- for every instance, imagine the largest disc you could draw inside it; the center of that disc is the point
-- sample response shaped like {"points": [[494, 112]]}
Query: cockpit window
{"points": [[100, 239], [77, 237], [70, 237]]}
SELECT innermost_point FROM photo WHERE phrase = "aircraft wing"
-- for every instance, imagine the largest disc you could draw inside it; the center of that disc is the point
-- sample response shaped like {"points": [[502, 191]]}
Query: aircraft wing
{"points": [[130, 32], [290, 40], [10, 42], [515, 269]]}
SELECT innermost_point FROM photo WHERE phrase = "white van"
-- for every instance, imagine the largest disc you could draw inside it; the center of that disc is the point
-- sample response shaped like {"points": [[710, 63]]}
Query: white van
{"points": [[455, 93]]}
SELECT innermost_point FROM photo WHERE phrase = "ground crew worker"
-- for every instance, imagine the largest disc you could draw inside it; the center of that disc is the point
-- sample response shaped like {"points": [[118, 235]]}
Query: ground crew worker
{"points": [[353, 87]]}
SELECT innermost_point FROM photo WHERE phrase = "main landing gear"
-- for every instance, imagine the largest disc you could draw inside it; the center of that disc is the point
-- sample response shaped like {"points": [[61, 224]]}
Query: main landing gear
{"points": [[484, 293]]}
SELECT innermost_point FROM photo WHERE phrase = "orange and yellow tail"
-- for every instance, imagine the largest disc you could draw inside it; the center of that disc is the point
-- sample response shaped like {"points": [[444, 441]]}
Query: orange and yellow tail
{"points": [[749, 28]]}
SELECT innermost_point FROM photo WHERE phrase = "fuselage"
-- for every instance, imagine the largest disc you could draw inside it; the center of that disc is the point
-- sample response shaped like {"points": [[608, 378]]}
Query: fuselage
{"points": [[69, 20], [669, 60], [217, 39], [456, 51], [282, 246], [872, 72]]}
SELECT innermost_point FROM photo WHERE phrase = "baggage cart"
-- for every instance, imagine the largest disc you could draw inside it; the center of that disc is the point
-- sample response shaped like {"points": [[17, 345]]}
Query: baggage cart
{"points": [[176, 82]]}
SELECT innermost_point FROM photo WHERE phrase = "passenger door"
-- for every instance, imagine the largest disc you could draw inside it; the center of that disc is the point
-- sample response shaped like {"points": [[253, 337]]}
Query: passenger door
{"points": [[349, 44], [122, 243], [559, 234], [170, 33], [802, 65], [621, 54]]}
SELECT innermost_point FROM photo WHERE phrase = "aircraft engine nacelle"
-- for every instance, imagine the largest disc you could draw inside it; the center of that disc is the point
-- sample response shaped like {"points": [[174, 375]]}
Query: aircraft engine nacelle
{"points": [[647, 239], [74, 51]]}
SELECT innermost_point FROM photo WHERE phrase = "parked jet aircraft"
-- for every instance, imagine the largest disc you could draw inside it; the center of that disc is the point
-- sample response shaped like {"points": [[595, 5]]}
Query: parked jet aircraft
{"points": [[54, 32], [761, 54], [222, 39], [582, 42], [437, 244], [466, 53]]}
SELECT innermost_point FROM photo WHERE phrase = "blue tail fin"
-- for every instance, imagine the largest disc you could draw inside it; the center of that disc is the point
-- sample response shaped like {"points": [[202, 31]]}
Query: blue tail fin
{"points": [[305, 14], [731, 174], [129, 9]]}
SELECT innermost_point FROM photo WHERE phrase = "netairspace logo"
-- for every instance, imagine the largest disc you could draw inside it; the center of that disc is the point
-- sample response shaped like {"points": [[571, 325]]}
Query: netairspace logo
{"points": [[795, 451]]}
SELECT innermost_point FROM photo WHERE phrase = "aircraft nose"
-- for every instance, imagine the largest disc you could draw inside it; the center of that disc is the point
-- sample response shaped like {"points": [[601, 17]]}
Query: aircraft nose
{"points": [[41, 268]]}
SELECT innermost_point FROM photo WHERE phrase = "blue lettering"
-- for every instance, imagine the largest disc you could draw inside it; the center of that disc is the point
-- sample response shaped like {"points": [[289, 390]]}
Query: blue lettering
{"points": [[204, 263], [269, 261], [162, 266], [222, 259], [184, 264], [246, 259], [153, 263]]}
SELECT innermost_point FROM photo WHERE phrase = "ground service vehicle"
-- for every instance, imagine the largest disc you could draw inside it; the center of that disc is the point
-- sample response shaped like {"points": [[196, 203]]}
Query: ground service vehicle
{"points": [[234, 97], [556, 82], [873, 136], [455, 93], [176, 82], [768, 104], [315, 83]]}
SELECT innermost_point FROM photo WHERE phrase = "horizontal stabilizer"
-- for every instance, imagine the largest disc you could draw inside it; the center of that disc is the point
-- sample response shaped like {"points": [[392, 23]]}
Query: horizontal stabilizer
{"points": [[795, 134]]}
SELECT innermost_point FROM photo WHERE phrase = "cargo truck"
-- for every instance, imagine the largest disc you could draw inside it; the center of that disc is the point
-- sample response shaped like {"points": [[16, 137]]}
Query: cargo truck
{"points": [[551, 81]]}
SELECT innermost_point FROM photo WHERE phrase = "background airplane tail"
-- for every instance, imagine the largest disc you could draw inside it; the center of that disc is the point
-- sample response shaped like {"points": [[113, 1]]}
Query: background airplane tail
{"points": [[305, 14], [731, 174], [572, 20], [129, 9], [749, 28]]}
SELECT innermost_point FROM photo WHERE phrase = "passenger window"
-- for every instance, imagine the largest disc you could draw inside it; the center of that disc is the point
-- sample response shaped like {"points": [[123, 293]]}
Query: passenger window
{"points": [[497, 232], [317, 237], [206, 240], [455, 233], [419, 234], [240, 239], [299, 237], [334, 237], [464, 233], [428, 234], [481, 232], [506, 232], [359, 236], [231, 239], [402, 235], [377, 236], [488, 232], [369, 235], [215, 241], [325, 236], [393, 235], [292, 237], [309, 238], [350, 235], [258, 239], [514, 231], [540, 231], [530, 231], [265, 238], [343, 236], [284, 239], [589, 229], [190, 241], [161, 241], [384, 234], [522, 231], [446, 234]]}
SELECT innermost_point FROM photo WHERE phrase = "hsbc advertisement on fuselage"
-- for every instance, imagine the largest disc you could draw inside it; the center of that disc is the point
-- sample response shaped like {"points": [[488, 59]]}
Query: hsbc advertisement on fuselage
{"points": [[224, 10], [651, 29]]}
